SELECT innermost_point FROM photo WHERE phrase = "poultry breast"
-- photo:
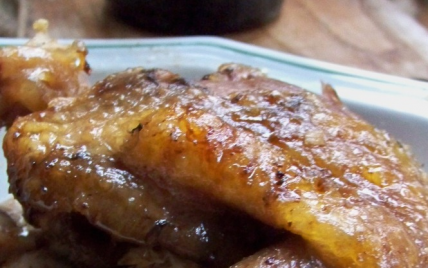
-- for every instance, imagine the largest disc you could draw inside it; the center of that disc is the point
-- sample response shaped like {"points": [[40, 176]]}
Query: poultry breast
{"points": [[213, 169]]}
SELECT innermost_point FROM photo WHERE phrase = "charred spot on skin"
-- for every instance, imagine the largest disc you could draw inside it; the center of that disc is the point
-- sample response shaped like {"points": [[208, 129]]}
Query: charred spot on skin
{"points": [[206, 77], [151, 76], [280, 178], [79, 155], [280, 182], [180, 81], [137, 128], [87, 68], [279, 175], [228, 71]]}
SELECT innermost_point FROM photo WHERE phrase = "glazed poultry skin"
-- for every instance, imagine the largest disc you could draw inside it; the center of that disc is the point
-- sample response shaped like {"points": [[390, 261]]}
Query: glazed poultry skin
{"points": [[38, 72], [146, 146], [295, 161], [79, 172]]}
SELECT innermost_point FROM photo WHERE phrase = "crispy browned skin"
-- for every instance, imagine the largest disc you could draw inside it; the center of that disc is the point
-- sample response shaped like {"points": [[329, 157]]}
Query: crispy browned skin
{"points": [[289, 158], [66, 170], [34, 74], [294, 161]]}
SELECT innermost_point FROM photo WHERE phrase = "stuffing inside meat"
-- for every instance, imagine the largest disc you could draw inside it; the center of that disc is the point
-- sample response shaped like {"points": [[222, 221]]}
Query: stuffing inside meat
{"points": [[146, 169]]}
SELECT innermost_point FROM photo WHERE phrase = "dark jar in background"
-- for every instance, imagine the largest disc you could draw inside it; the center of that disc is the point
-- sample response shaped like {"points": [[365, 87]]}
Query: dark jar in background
{"points": [[195, 17]]}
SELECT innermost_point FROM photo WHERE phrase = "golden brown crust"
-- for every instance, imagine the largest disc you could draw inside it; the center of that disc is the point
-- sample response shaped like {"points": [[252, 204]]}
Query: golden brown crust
{"points": [[352, 191], [291, 159], [72, 152]]}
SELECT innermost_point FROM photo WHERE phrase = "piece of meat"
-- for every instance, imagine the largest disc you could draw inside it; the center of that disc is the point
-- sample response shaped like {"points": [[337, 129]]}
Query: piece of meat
{"points": [[290, 253], [144, 151], [295, 161], [64, 167], [34, 74]]}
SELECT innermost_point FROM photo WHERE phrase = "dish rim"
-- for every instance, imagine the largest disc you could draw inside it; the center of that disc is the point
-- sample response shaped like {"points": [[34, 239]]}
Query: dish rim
{"points": [[413, 87]]}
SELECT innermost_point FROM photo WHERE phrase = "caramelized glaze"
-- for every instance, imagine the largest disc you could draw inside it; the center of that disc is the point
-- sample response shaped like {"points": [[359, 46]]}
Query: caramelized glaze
{"points": [[144, 154]]}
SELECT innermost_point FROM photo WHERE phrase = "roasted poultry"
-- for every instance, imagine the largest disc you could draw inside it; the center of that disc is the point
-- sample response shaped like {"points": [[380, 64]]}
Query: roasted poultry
{"points": [[146, 167], [83, 184], [42, 70]]}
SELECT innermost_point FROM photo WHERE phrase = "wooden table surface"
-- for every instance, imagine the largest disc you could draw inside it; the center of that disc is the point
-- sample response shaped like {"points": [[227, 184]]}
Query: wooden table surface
{"points": [[388, 36]]}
